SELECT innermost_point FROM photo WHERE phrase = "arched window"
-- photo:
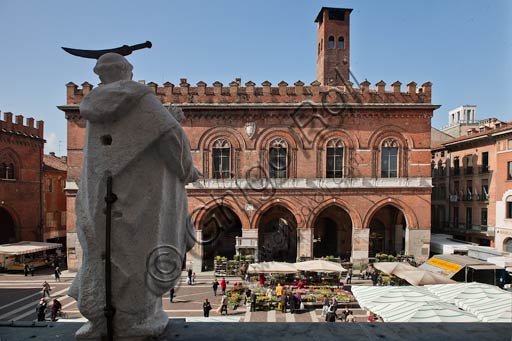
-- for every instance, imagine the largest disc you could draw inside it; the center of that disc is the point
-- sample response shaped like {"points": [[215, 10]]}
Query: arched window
{"points": [[507, 245], [10, 171], [3, 171], [334, 159], [221, 159], [341, 43], [278, 158], [389, 159], [330, 42]]}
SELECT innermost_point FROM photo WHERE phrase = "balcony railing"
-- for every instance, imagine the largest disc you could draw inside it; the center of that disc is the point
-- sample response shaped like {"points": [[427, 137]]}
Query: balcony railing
{"points": [[482, 197], [468, 171], [456, 171], [484, 169], [468, 197]]}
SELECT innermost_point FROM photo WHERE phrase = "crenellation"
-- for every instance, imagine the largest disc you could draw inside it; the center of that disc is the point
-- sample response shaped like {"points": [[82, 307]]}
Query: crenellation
{"points": [[282, 93], [18, 126]]}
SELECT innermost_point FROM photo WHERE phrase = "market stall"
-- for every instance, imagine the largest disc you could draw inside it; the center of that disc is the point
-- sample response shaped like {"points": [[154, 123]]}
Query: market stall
{"points": [[14, 256]]}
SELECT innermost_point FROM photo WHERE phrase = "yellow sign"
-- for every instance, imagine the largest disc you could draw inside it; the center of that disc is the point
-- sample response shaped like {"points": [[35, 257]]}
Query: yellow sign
{"points": [[445, 265]]}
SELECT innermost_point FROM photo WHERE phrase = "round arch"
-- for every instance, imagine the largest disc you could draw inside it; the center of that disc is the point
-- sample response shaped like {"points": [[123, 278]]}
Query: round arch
{"points": [[507, 244], [277, 234], [264, 139], [332, 232], [220, 227], [199, 214], [410, 216], [234, 137], [354, 215], [277, 202], [8, 155], [390, 131], [322, 137]]}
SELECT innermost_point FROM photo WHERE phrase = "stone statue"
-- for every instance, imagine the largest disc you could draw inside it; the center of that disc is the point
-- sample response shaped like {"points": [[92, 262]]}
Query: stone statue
{"points": [[133, 138]]}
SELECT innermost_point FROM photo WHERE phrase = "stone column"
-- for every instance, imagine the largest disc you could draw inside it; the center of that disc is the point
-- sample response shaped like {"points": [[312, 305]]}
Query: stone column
{"points": [[305, 242], [399, 234], [360, 245], [195, 255], [417, 243]]}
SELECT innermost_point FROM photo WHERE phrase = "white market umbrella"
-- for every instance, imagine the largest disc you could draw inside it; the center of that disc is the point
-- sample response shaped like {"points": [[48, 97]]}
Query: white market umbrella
{"points": [[451, 293], [320, 266], [391, 267], [272, 267], [428, 312], [422, 277], [374, 297], [489, 309]]}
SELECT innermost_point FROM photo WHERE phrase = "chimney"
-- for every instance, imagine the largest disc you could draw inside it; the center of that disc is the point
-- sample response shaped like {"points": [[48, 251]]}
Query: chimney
{"points": [[233, 88], [396, 87], [249, 88], [217, 88], [86, 88], [299, 88], [201, 88], [411, 88], [282, 88], [381, 87]]}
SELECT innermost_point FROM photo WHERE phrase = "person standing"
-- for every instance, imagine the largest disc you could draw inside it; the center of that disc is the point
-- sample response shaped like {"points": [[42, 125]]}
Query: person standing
{"points": [[32, 269], [54, 310], [262, 280], [206, 308], [41, 309], [189, 276], [291, 301], [171, 295], [349, 276], [25, 269], [283, 302], [215, 285], [350, 316], [224, 304], [193, 278], [57, 274], [223, 285]]}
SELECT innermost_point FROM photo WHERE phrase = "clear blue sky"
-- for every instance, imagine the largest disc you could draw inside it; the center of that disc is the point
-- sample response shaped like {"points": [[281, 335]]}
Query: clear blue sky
{"points": [[463, 47]]}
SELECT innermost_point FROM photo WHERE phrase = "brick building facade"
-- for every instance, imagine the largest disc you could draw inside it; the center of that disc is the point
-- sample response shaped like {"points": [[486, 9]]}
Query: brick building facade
{"points": [[21, 159], [472, 179], [54, 198], [329, 168]]}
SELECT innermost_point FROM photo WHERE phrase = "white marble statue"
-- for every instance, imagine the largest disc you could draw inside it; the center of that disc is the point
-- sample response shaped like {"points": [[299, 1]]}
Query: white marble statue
{"points": [[133, 138]]}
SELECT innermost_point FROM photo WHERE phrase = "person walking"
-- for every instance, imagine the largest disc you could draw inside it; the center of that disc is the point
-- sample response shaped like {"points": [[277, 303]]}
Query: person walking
{"points": [[253, 301], [54, 310], [32, 269], [325, 305], [193, 278], [171, 295], [224, 304], [25, 269], [41, 309], [57, 274], [223, 285], [189, 276], [215, 285], [206, 308], [46, 289], [292, 302], [350, 317]]}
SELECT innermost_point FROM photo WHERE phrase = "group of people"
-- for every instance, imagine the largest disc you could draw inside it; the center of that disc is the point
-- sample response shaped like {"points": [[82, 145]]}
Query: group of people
{"points": [[291, 300], [371, 273], [222, 284], [329, 310], [41, 308], [223, 307], [29, 268]]}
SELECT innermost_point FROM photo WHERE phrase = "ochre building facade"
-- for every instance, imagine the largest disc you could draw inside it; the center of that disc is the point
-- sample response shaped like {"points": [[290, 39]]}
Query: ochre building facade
{"points": [[290, 171]]}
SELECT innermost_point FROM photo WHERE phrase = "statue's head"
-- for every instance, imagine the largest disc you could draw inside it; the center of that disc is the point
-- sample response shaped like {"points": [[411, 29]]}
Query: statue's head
{"points": [[112, 67]]}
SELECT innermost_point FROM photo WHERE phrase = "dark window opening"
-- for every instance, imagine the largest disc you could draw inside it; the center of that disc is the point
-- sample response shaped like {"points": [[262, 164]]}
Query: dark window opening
{"points": [[221, 159], [389, 159], [278, 159], [336, 15], [334, 166], [330, 42], [341, 43]]}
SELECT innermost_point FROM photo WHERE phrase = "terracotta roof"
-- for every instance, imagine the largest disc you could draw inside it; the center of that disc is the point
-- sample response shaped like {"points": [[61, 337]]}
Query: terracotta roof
{"points": [[54, 162], [505, 126]]}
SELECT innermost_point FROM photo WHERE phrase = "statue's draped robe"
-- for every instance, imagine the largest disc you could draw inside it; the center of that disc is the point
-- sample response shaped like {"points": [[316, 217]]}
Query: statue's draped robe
{"points": [[150, 162]]}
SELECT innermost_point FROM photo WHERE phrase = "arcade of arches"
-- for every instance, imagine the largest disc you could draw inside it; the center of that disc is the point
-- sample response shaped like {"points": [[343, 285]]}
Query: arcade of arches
{"points": [[278, 237]]}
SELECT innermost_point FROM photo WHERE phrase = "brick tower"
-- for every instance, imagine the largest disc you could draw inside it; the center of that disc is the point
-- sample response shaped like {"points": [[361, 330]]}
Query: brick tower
{"points": [[333, 45]]}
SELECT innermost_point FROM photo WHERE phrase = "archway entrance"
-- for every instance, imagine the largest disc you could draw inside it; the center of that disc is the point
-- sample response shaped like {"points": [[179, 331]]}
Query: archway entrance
{"points": [[220, 228], [7, 227], [387, 231], [332, 233], [277, 236], [507, 245]]}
